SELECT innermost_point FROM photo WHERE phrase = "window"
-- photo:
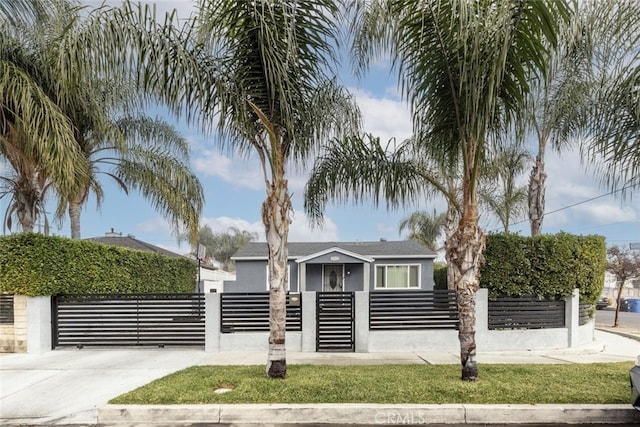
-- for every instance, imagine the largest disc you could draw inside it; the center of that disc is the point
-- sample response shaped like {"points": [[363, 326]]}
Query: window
{"points": [[397, 276], [288, 277]]}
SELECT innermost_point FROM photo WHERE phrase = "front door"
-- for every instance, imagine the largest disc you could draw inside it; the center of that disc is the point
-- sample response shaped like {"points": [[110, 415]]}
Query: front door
{"points": [[333, 278]]}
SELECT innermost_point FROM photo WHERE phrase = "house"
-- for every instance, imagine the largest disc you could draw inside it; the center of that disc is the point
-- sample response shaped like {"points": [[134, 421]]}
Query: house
{"points": [[339, 267], [129, 241]]}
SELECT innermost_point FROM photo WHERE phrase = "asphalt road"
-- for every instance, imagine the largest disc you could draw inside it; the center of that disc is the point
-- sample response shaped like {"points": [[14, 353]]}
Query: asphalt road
{"points": [[626, 320]]}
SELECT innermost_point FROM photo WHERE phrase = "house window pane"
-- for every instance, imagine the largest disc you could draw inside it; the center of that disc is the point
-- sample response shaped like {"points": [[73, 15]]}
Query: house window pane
{"points": [[397, 276], [413, 276], [380, 282]]}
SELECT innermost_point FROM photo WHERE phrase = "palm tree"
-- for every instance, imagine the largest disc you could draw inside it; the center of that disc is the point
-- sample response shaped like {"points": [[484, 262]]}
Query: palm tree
{"points": [[499, 192], [588, 93], [555, 106], [261, 75], [613, 116], [463, 67], [363, 168], [37, 139], [424, 227], [146, 154]]}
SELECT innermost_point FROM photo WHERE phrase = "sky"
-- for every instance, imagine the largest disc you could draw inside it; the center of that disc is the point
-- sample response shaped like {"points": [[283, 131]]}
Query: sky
{"points": [[234, 190]]}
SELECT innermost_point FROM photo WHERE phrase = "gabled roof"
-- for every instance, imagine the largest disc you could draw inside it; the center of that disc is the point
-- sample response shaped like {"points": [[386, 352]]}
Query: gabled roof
{"points": [[333, 250], [131, 242], [386, 249]]}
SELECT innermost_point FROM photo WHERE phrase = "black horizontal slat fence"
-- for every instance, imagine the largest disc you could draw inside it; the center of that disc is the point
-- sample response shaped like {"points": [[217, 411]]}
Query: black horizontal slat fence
{"points": [[335, 321], [585, 315], [6, 309], [249, 312], [527, 312], [412, 310], [128, 320]]}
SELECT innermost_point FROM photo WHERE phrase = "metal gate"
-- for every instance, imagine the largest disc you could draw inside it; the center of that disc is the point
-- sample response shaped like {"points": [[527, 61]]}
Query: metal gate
{"points": [[128, 320], [335, 321]]}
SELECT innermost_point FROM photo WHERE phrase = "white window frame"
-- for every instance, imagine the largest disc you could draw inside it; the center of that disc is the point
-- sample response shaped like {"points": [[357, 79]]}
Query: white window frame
{"points": [[288, 277], [419, 284]]}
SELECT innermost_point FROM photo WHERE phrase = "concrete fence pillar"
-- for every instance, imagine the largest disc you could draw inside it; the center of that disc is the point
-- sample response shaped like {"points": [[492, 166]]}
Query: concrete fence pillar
{"points": [[572, 314], [39, 339], [212, 322], [361, 334], [309, 328], [482, 317]]}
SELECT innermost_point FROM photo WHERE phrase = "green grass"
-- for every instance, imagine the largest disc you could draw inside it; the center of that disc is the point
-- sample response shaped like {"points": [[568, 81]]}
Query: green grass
{"points": [[575, 383]]}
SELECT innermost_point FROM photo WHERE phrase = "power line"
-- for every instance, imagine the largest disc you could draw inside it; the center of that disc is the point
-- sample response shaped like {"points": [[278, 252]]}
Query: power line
{"points": [[574, 204]]}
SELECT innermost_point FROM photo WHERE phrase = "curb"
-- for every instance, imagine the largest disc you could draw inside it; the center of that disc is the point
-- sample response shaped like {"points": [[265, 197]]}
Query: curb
{"points": [[368, 414], [629, 335]]}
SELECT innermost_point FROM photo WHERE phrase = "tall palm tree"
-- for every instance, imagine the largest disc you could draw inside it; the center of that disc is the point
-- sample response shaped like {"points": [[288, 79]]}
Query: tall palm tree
{"points": [[463, 66], [499, 191], [424, 227], [260, 75], [146, 154], [613, 116], [37, 139]]}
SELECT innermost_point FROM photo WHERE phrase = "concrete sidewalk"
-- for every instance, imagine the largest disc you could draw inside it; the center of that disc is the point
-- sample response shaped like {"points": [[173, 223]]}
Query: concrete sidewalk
{"points": [[74, 386]]}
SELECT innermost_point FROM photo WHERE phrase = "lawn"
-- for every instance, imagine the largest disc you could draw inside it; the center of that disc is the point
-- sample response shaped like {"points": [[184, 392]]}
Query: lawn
{"points": [[597, 383]]}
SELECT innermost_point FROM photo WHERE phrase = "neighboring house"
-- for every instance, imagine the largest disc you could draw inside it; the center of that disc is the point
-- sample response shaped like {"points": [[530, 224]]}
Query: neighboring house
{"points": [[339, 266], [212, 279], [117, 239]]}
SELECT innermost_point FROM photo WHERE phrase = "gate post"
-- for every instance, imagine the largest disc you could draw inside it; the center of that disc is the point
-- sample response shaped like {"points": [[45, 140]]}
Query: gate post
{"points": [[572, 314], [39, 324], [308, 321], [361, 313], [482, 318], [212, 322]]}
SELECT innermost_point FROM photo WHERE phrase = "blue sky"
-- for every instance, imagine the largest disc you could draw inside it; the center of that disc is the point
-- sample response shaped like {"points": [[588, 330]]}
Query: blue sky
{"points": [[234, 190]]}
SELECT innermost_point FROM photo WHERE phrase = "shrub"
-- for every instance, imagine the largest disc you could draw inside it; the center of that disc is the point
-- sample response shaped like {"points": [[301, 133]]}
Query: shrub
{"points": [[549, 266], [440, 276], [33, 265]]}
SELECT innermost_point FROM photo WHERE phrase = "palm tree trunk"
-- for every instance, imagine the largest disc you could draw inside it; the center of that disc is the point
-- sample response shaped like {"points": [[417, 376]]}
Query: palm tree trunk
{"points": [[26, 202], [449, 230], [465, 255], [74, 218], [536, 191], [275, 216]]}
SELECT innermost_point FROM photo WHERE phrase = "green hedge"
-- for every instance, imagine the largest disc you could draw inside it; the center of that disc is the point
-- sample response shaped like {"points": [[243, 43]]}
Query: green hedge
{"points": [[548, 266], [33, 264], [440, 276]]}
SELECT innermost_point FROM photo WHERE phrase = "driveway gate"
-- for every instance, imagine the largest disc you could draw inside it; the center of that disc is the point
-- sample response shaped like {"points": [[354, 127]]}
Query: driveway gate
{"points": [[335, 321], [128, 320]]}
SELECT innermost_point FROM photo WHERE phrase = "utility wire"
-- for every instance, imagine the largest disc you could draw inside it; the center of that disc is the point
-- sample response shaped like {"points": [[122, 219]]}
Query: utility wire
{"points": [[572, 205]]}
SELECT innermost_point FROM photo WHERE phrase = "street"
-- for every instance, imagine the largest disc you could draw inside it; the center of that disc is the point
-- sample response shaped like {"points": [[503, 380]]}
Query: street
{"points": [[626, 320]]}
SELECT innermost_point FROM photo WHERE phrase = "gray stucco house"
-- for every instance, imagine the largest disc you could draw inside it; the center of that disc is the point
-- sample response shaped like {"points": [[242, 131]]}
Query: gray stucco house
{"points": [[339, 267]]}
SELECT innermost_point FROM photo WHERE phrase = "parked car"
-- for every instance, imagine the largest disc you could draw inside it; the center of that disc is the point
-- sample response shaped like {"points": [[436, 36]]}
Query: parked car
{"points": [[634, 376], [602, 303]]}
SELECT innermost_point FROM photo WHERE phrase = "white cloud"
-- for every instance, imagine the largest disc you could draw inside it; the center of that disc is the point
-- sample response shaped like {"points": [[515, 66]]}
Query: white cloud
{"points": [[243, 173], [301, 231], [384, 117]]}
